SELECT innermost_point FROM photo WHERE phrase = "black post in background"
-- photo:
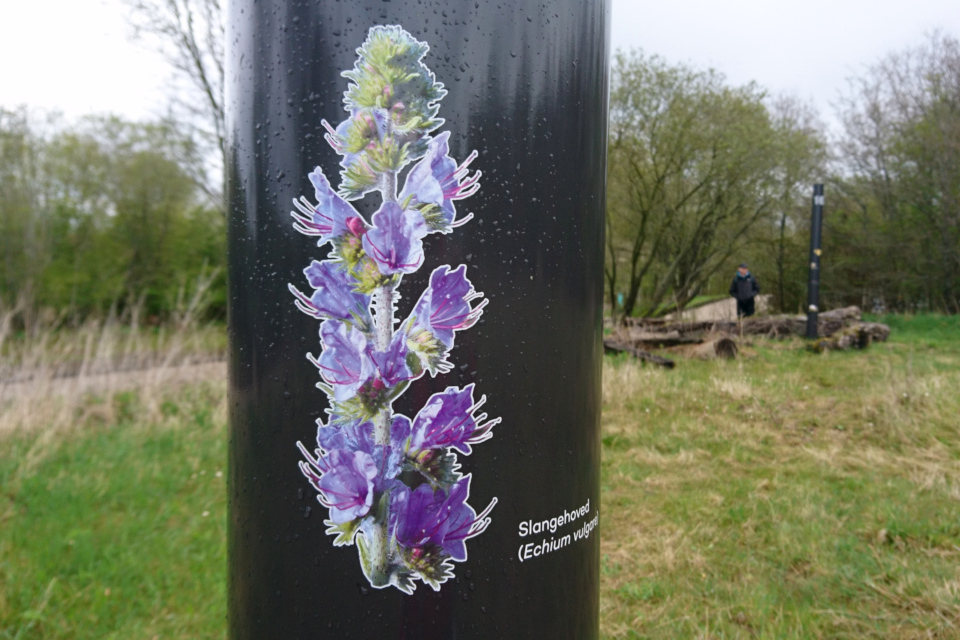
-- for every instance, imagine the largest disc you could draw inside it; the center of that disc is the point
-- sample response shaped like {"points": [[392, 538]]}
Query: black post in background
{"points": [[527, 89], [813, 285]]}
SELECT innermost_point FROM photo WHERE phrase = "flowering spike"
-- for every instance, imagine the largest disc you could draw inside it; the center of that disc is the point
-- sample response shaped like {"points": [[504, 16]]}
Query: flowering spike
{"points": [[392, 485]]}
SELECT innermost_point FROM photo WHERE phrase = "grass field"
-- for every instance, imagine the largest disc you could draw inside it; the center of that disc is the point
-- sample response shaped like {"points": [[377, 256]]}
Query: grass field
{"points": [[782, 495], [786, 495]]}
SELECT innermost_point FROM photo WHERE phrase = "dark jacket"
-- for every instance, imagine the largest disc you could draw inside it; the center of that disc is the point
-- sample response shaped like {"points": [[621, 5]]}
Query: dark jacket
{"points": [[744, 287]]}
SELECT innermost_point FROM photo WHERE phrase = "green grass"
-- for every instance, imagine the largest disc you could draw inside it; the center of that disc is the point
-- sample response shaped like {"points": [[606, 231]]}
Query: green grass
{"points": [[787, 494], [932, 330], [117, 530], [782, 495]]}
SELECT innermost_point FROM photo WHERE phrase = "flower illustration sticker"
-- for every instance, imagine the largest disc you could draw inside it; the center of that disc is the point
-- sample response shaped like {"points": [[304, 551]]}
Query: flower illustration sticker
{"points": [[391, 483]]}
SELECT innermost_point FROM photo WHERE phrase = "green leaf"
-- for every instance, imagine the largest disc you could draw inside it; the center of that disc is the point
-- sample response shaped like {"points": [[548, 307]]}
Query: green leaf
{"points": [[345, 532]]}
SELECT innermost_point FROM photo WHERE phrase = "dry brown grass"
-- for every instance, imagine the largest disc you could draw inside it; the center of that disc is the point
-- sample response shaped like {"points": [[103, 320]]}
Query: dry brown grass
{"points": [[55, 378], [785, 495]]}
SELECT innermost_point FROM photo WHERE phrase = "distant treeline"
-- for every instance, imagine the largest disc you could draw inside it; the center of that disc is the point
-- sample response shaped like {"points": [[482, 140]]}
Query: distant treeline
{"points": [[704, 176], [104, 214]]}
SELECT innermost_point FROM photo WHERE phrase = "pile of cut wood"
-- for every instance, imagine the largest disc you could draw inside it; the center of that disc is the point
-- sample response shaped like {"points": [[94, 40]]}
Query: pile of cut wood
{"points": [[839, 329]]}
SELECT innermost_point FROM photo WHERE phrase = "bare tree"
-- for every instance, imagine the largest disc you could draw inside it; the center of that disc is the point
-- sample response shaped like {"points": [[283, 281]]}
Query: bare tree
{"points": [[803, 160], [902, 149], [190, 34], [693, 166]]}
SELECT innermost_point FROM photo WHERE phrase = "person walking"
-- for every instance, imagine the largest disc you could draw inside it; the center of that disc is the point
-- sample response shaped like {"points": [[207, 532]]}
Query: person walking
{"points": [[744, 288]]}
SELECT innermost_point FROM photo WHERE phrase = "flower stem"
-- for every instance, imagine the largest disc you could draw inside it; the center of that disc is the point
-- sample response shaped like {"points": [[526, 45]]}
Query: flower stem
{"points": [[383, 299], [375, 549], [379, 575], [388, 186], [379, 548]]}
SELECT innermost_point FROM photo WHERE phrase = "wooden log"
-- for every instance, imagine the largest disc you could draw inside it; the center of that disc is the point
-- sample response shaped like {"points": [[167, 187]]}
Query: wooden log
{"points": [[686, 328], [646, 339], [660, 343], [610, 346], [771, 326], [856, 336], [652, 333], [643, 322], [845, 314], [878, 332], [722, 347], [652, 336]]}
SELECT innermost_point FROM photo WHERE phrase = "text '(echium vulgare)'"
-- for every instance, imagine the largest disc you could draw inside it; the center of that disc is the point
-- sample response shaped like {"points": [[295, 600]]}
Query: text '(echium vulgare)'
{"points": [[391, 483]]}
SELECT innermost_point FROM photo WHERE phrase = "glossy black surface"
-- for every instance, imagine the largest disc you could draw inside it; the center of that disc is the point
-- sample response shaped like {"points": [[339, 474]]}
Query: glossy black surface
{"points": [[527, 86]]}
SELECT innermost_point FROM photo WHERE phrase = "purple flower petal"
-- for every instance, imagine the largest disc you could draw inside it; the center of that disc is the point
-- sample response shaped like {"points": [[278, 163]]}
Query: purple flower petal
{"points": [[355, 436], [426, 517], [437, 180], [395, 241], [335, 296], [347, 489], [460, 522], [418, 521], [446, 420], [359, 436], [344, 363], [400, 429], [445, 306], [392, 363], [328, 218]]}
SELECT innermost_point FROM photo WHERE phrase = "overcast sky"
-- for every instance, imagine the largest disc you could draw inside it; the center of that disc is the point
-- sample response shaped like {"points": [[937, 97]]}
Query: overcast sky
{"points": [[76, 55]]}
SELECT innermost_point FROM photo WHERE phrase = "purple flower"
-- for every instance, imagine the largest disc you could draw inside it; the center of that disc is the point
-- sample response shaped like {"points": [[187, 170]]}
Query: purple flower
{"points": [[328, 218], [367, 126], [347, 488], [344, 479], [395, 241], [424, 517], [445, 306], [335, 297], [464, 523], [448, 420], [344, 363], [400, 428], [437, 180], [351, 436], [358, 435], [392, 363]]}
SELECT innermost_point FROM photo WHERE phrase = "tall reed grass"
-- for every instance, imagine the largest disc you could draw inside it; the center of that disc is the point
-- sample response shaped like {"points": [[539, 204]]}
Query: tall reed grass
{"points": [[56, 376]]}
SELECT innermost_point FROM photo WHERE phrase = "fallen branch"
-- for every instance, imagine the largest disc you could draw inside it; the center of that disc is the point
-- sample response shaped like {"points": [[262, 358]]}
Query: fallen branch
{"points": [[647, 333], [857, 336], [609, 346]]}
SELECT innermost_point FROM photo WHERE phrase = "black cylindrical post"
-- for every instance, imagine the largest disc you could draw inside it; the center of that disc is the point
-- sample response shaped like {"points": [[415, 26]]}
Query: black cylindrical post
{"points": [[813, 284], [416, 196]]}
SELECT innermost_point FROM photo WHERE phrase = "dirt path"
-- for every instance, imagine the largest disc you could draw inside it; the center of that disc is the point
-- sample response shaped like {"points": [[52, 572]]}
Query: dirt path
{"points": [[50, 384]]}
